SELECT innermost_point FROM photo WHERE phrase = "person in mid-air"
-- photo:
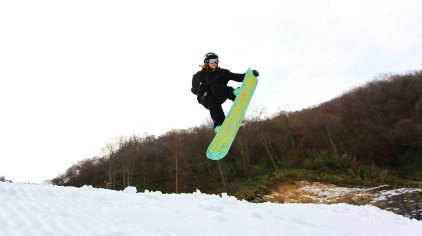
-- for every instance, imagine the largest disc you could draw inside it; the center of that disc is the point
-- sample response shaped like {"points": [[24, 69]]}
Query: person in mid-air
{"points": [[210, 86]]}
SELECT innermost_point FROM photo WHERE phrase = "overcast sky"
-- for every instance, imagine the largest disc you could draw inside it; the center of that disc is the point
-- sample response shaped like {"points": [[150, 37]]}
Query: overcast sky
{"points": [[75, 75]]}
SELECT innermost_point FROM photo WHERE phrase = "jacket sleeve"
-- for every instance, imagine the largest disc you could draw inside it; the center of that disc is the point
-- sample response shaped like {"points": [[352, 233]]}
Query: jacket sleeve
{"points": [[235, 76]]}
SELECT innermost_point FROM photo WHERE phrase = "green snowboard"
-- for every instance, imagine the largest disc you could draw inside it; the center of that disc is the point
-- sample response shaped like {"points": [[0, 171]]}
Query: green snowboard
{"points": [[223, 140]]}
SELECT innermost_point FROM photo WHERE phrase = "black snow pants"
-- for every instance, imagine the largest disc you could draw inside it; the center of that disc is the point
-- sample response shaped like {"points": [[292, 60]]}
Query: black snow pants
{"points": [[214, 100]]}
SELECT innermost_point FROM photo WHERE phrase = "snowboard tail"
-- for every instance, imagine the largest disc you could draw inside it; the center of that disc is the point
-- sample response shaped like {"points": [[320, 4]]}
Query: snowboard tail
{"points": [[223, 140]]}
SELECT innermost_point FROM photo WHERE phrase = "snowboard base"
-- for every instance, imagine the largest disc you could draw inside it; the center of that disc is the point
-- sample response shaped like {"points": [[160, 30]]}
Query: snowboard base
{"points": [[223, 140]]}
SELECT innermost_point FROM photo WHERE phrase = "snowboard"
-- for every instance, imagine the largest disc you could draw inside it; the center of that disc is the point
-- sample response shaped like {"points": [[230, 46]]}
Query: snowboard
{"points": [[223, 140]]}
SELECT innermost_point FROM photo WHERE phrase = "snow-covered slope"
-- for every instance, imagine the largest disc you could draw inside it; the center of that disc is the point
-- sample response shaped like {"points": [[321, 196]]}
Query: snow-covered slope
{"points": [[27, 209]]}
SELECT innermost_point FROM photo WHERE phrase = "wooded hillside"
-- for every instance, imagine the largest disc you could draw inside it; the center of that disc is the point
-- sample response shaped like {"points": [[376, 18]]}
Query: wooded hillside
{"points": [[373, 131]]}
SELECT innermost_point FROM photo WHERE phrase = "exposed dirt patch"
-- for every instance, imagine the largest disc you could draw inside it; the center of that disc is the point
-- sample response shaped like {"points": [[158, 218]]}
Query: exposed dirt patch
{"points": [[403, 201], [315, 192]]}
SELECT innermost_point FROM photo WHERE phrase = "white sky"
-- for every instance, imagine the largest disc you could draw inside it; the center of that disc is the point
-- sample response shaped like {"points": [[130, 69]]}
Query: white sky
{"points": [[74, 75]]}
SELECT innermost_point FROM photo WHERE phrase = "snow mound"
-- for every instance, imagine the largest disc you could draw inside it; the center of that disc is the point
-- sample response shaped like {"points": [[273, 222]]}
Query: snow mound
{"points": [[130, 190], [27, 209]]}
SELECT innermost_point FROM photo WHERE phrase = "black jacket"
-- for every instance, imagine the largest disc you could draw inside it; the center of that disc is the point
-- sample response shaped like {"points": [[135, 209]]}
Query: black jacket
{"points": [[205, 78]]}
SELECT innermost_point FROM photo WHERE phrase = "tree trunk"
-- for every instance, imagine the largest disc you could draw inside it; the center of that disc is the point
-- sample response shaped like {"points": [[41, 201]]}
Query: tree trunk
{"points": [[244, 155], [332, 142], [177, 172], [266, 143], [222, 176]]}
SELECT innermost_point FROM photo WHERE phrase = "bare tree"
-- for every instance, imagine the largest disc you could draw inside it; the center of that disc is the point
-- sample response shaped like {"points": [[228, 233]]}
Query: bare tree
{"points": [[110, 154], [267, 143], [222, 175]]}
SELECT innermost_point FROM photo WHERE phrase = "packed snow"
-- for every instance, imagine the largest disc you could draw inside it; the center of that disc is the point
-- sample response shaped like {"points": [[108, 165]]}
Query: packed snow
{"points": [[387, 193], [29, 209]]}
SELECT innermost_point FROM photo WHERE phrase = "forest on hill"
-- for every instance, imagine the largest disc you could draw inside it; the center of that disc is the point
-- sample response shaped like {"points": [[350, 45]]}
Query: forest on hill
{"points": [[371, 134]]}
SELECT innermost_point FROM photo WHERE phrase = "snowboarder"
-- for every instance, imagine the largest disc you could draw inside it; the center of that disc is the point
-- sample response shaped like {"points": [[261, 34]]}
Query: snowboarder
{"points": [[210, 87]]}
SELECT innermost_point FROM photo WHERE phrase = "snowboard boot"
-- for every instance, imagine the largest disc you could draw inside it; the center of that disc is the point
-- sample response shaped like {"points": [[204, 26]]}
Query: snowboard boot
{"points": [[217, 129], [234, 94], [236, 91]]}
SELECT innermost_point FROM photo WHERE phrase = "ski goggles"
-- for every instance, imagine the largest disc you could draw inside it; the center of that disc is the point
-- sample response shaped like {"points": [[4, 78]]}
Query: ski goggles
{"points": [[213, 61]]}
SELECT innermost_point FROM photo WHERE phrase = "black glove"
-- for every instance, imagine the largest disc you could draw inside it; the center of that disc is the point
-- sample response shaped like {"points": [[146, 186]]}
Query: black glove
{"points": [[193, 91], [255, 73], [201, 99]]}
